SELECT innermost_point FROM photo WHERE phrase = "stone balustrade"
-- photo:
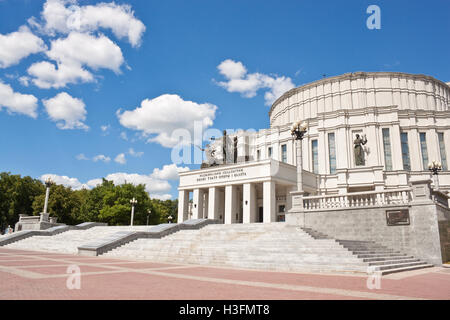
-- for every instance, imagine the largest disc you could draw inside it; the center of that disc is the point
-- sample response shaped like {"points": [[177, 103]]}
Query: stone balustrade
{"points": [[358, 199]]}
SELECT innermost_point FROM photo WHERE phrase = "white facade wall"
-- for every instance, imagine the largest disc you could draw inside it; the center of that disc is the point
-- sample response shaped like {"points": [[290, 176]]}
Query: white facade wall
{"points": [[361, 103]]}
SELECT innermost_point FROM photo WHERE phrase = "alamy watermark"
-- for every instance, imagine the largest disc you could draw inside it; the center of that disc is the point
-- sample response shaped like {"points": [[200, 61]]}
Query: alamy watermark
{"points": [[74, 278], [374, 279], [374, 20]]}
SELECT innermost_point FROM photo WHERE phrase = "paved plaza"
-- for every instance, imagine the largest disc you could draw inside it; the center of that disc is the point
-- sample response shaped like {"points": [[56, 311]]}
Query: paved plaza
{"points": [[39, 275]]}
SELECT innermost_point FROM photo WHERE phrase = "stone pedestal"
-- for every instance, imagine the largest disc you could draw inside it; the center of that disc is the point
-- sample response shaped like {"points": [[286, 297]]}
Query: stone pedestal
{"points": [[44, 217], [296, 214]]}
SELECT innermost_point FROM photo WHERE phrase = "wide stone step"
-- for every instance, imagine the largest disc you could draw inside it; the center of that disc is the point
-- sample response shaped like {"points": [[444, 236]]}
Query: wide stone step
{"points": [[375, 252], [262, 250], [378, 255], [410, 268], [384, 258], [199, 258], [159, 245], [399, 265], [238, 254], [390, 262]]}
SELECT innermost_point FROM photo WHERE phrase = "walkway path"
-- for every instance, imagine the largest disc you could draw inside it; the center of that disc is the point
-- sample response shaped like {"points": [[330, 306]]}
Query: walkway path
{"points": [[40, 275]]}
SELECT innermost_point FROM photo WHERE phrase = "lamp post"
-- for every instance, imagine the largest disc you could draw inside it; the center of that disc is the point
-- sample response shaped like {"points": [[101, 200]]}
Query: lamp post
{"points": [[133, 203], [435, 167], [44, 215], [48, 184], [298, 131], [170, 219], [148, 214]]}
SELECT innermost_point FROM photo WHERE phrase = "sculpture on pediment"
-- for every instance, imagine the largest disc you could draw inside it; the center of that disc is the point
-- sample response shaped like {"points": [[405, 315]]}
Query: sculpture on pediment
{"points": [[210, 152]]}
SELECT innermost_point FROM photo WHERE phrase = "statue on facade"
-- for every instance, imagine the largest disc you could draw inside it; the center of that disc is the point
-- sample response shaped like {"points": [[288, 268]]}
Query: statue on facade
{"points": [[358, 143], [210, 152]]}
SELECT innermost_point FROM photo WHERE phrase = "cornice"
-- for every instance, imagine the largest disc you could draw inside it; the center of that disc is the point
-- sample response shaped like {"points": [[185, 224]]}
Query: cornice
{"points": [[353, 76]]}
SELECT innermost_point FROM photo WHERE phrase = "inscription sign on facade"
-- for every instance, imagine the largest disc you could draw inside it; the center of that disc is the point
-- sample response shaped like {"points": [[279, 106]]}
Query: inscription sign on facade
{"points": [[222, 175], [397, 217]]}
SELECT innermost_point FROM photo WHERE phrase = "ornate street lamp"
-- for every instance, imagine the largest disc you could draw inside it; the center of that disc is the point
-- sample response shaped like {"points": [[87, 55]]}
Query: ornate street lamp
{"points": [[148, 214], [435, 167], [133, 203], [298, 131], [44, 215]]}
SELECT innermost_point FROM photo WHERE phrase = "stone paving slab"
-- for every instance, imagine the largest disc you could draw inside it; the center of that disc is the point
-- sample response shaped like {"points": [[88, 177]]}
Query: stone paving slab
{"points": [[45, 277]]}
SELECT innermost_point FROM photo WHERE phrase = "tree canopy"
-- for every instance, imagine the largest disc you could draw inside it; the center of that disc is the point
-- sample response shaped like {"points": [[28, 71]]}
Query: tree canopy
{"points": [[106, 202]]}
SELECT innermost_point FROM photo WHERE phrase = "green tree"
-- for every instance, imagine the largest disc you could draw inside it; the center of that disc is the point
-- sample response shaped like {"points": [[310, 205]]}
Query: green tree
{"points": [[116, 207], [17, 195], [63, 203]]}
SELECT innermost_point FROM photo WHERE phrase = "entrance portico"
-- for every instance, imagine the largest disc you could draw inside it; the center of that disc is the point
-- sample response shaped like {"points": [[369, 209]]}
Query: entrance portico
{"points": [[238, 193]]}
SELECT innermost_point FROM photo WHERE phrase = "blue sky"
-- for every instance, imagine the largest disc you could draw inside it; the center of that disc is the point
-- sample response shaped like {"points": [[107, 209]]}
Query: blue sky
{"points": [[172, 54]]}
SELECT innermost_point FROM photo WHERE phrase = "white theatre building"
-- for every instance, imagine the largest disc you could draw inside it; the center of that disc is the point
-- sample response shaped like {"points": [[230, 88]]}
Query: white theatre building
{"points": [[404, 118]]}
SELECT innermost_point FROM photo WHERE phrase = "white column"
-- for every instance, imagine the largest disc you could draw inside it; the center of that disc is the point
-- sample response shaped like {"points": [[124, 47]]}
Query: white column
{"points": [[230, 204], [289, 189], [415, 155], [183, 205], [249, 203], [269, 201], [322, 152], [433, 146], [197, 210], [342, 151], [213, 203], [205, 205], [396, 148]]}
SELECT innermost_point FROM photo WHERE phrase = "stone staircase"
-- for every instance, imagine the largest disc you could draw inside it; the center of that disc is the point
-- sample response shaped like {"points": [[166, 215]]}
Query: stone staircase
{"points": [[268, 246], [68, 241], [381, 258]]}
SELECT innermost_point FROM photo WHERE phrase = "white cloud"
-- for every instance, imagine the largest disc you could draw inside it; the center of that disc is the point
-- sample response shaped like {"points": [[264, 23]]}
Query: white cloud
{"points": [[121, 158], [81, 156], [17, 45], [248, 84], [168, 172], [162, 197], [16, 102], [124, 136], [74, 183], [152, 185], [105, 128], [133, 153], [46, 75], [68, 112], [231, 69], [72, 54], [86, 49], [94, 182], [64, 16], [163, 115], [156, 184], [102, 158]]}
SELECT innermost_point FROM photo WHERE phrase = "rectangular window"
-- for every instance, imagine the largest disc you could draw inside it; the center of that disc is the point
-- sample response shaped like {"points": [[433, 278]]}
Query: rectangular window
{"points": [[423, 149], [315, 156], [258, 154], [283, 153], [442, 151], [269, 151], [387, 149], [405, 151], [332, 152]]}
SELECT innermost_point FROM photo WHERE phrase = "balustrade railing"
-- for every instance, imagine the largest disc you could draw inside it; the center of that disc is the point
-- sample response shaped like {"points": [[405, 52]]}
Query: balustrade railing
{"points": [[358, 199]]}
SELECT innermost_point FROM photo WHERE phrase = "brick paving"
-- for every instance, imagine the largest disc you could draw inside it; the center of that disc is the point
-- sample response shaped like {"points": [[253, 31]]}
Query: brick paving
{"points": [[38, 275]]}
